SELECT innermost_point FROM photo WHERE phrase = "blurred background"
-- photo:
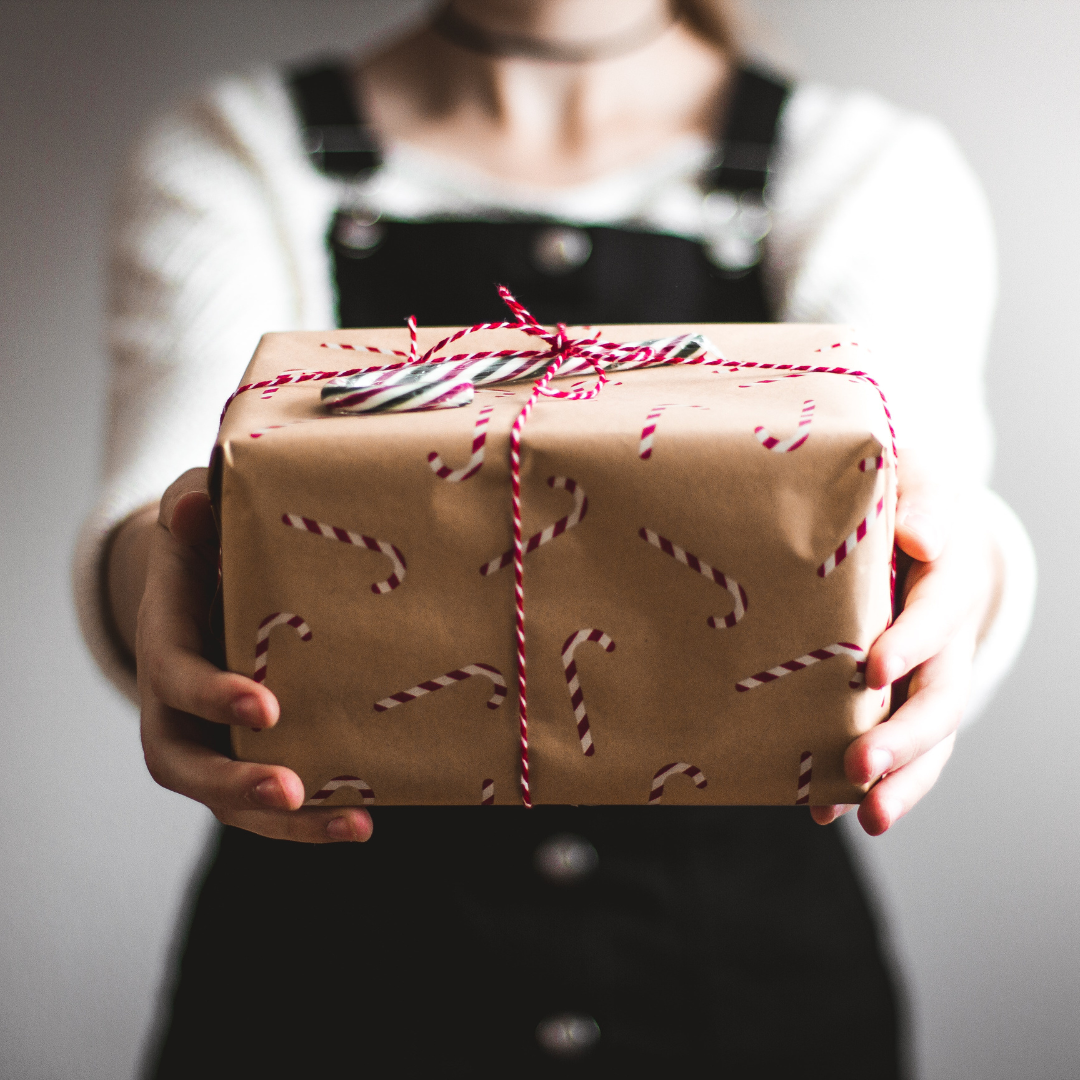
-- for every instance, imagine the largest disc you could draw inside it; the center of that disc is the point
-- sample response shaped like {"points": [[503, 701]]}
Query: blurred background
{"points": [[977, 886]]}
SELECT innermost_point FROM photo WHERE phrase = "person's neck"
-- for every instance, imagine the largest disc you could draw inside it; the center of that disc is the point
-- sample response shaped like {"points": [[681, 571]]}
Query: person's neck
{"points": [[549, 123], [556, 31]]}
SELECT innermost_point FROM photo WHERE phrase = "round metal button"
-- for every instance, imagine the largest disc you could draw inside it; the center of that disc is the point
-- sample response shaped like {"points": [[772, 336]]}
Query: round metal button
{"points": [[565, 859], [560, 249], [358, 234], [568, 1035]]}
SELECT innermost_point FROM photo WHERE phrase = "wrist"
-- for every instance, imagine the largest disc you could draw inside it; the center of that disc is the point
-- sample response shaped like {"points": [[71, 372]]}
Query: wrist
{"points": [[124, 571]]}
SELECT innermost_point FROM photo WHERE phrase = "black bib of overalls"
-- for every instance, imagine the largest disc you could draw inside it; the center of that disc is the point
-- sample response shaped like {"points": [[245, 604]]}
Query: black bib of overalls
{"points": [[730, 940]]}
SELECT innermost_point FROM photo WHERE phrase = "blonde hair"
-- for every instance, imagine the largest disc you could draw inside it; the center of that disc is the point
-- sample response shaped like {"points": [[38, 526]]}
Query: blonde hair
{"points": [[712, 19]]}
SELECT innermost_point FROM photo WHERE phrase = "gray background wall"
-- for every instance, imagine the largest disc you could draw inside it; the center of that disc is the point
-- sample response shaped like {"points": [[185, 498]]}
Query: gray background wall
{"points": [[978, 884]]}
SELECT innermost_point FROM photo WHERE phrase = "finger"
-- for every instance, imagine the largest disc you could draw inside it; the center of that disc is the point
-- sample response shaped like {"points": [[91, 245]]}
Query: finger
{"points": [[897, 793], [181, 755], [826, 815], [182, 679], [194, 481], [171, 667], [936, 607], [925, 507], [311, 825], [936, 700], [260, 798], [192, 520]]}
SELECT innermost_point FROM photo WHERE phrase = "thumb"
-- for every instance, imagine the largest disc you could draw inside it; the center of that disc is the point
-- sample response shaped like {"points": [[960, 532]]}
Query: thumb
{"points": [[925, 508], [186, 511]]}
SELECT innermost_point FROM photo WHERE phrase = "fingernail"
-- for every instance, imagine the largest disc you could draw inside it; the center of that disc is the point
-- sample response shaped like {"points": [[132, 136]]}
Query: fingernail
{"points": [[925, 528], [248, 711], [268, 792], [339, 828], [881, 761]]}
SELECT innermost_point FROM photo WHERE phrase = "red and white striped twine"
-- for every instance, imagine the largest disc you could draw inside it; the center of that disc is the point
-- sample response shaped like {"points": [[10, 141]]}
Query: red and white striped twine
{"points": [[656, 792], [581, 508], [333, 532], [573, 684], [806, 772], [786, 446], [738, 593], [827, 652], [331, 786], [449, 679], [487, 793], [475, 463], [648, 432], [262, 638]]}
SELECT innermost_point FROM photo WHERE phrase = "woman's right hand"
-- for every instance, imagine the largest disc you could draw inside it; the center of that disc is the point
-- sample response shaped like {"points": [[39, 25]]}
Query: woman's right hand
{"points": [[188, 702]]}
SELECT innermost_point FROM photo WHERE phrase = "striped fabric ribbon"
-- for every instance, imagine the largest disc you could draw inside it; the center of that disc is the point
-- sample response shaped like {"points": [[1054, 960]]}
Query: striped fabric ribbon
{"points": [[447, 382]]}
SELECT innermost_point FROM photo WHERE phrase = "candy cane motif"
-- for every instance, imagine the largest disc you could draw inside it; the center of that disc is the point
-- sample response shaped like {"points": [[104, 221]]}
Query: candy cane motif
{"points": [[649, 430], [331, 786], [842, 648], [487, 793], [872, 464], [656, 793], [848, 546], [770, 442], [806, 771], [577, 699], [451, 677], [332, 532], [738, 593], [581, 508], [472, 467], [262, 638]]}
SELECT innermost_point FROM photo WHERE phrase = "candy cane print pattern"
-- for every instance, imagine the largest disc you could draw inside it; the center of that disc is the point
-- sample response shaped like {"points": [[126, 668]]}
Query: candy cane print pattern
{"points": [[738, 593], [487, 793], [581, 508], [806, 771], [332, 532], [474, 464], [331, 786], [847, 546], [262, 638], [872, 464], [577, 699], [451, 677], [841, 648], [656, 792], [770, 442], [648, 432]]}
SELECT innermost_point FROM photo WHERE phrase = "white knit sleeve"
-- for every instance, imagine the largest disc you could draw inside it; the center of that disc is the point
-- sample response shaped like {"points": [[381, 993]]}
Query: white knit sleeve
{"points": [[881, 223], [217, 239]]}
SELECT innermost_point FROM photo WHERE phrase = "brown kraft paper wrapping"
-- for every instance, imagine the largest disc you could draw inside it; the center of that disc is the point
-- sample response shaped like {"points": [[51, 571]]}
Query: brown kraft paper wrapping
{"points": [[666, 692]]}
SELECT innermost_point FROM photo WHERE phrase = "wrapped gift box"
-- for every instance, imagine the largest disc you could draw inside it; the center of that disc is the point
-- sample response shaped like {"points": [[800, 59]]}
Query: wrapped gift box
{"points": [[710, 559]]}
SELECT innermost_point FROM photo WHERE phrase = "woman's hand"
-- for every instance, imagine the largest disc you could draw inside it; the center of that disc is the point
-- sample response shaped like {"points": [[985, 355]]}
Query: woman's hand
{"points": [[949, 594], [187, 702]]}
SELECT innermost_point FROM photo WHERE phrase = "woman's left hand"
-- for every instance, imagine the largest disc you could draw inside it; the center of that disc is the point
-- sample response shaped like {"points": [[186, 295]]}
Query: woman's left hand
{"points": [[949, 592]]}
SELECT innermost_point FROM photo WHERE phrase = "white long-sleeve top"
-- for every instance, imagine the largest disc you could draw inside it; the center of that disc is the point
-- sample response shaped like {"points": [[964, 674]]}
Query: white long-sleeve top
{"points": [[221, 236]]}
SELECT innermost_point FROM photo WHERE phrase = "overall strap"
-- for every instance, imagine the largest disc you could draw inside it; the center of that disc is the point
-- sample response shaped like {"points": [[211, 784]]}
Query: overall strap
{"points": [[747, 134], [336, 138]]}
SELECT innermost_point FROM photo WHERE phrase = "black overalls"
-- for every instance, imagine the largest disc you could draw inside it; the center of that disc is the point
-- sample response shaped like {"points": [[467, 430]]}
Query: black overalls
{"points": [[496, 942]]}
